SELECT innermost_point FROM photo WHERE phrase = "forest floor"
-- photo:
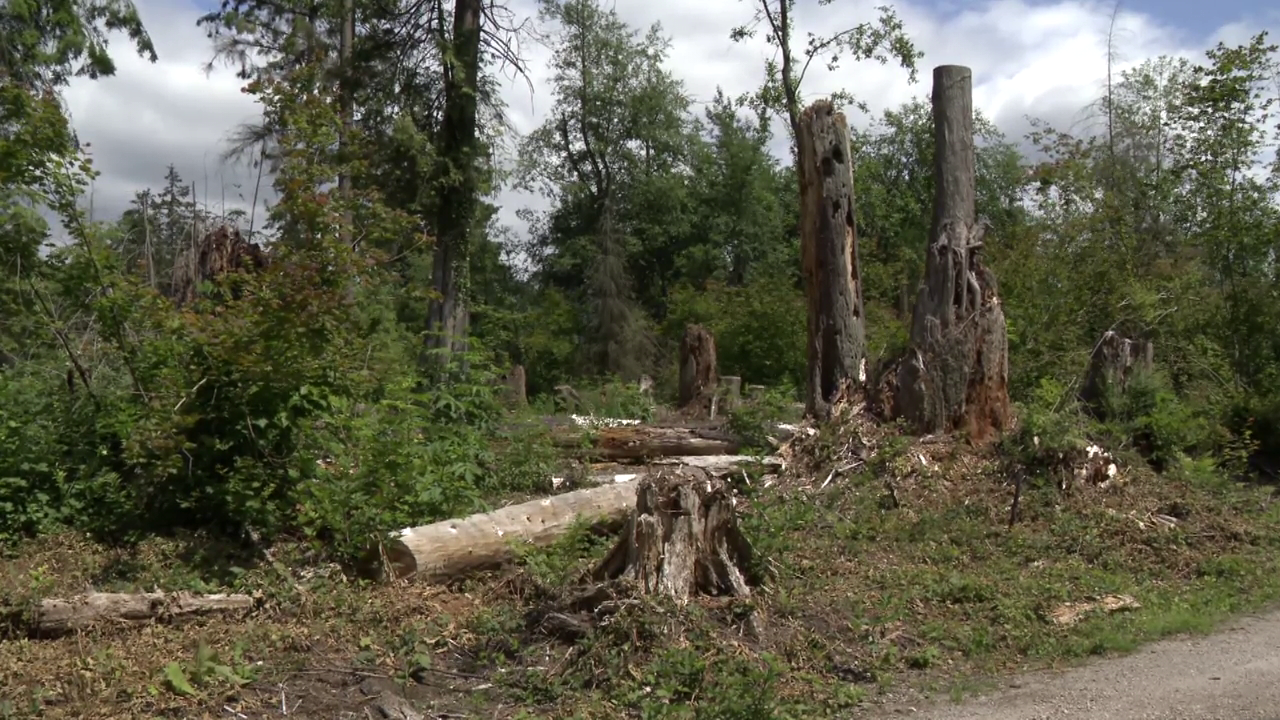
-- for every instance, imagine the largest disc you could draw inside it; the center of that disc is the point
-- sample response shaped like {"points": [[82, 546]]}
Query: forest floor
{"points": [[898, 582]]}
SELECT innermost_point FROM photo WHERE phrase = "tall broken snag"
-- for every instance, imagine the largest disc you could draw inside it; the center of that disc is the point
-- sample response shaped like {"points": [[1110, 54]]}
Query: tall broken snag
{"points": [[698, 373], [955, 375], [829, 252], [682, 540]]}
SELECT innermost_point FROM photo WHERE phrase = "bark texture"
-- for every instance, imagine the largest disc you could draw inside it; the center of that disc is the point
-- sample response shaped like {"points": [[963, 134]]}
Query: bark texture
{"points": [[955, 374], [451, 548], [698, 378], [829, 251], [682, 539], [1115, 359], [56, 617]]}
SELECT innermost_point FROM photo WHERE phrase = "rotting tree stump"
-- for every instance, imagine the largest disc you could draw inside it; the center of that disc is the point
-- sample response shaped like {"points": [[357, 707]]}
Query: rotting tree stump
{"points": [[955, 375], [220, 252], [698, 375], [682, 540], [1114, 361], [829, 254]]}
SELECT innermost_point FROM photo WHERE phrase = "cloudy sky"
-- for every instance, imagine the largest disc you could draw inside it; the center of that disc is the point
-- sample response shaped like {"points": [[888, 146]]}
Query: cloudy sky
{"points": [[1043, 58]]}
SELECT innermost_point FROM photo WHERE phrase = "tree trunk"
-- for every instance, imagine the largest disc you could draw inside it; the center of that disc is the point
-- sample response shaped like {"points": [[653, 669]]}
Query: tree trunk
{"points": [[447, 314], [698, 379], [1114, 361], [448, 549], [682, 539], [514, 384], [829, 250], [638, 442], [955, 374], [55, 617]]}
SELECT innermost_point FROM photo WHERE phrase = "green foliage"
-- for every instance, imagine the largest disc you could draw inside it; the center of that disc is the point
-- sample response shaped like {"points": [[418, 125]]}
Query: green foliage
{"points": [[759, 328], [754, 420]]}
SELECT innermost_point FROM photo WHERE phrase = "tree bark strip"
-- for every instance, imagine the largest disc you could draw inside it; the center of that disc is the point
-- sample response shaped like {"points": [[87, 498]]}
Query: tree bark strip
{"points": [[829, 251]]}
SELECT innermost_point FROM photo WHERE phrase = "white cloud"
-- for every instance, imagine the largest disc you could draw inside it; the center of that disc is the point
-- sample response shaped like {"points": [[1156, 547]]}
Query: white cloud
{"points": [[1028, 58]]}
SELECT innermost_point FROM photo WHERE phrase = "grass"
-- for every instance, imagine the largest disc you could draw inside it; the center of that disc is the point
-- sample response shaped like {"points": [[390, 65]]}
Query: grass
{"points": [[878, 590]]}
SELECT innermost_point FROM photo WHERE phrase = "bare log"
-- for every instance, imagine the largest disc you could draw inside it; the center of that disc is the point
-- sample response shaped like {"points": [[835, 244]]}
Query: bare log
{"points": [[682, 539], [1114, 361], [829, 252], [956, 370], [636, 442], [451, 548], [698, 378], [55, 617], [715, 465]]}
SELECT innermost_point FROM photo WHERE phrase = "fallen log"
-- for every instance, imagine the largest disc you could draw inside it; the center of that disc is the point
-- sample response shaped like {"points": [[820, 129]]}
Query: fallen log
{"points": [[448, 549], [716, 465], [641, 441], [55, 617]]}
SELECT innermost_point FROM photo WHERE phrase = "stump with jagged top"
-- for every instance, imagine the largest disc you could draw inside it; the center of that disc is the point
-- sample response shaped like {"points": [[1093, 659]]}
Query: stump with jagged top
{"points": [[682, 540]]}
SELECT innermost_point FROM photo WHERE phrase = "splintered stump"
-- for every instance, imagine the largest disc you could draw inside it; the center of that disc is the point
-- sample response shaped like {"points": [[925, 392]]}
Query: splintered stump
{"points": [[829, 254], [955, 375], [1114, 361], [220, 252], [698, 378], [682, 540]]}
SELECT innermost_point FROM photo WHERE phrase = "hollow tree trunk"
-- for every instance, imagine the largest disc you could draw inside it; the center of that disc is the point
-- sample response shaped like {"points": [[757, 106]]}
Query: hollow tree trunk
{"points": [[447, 314], [1114, 361], [682, 539], [698, 379], [955, 374], [829, 250]]}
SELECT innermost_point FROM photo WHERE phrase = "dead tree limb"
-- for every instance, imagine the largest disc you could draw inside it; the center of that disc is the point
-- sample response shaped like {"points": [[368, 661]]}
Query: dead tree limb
{"points": [[56, 617]]}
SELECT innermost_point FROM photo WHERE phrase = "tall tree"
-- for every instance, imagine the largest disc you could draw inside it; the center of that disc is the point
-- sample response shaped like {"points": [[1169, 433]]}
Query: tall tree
{"points": [[447, 315], [618, 125]]}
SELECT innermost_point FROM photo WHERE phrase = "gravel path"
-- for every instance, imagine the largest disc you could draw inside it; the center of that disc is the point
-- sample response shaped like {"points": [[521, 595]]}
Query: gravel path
{"points": [[1233, 674]]}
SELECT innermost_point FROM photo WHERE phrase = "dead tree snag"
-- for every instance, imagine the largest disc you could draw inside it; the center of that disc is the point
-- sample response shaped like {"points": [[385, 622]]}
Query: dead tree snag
{"points": [[1114, 361], [698, 379], [955, 374], [220, 252], [829, 251], [682, 540]]}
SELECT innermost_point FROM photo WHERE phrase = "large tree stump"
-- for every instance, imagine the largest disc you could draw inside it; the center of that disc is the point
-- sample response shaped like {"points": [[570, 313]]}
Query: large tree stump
{"points": [[955, 374], [682, 540], [698, 379], [1114, 361], [829, 252]]}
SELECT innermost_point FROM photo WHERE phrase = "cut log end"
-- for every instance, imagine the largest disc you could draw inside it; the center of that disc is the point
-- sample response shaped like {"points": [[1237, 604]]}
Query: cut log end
{"points": [[682, 540]]}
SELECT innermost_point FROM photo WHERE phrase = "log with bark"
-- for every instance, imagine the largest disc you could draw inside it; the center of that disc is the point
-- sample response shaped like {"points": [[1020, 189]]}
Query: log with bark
{"points": [[955, 374], [829, 255], [451, 548], [637, 442], [1114, 361], [55, 617], [698, 374], [682, 539]]}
